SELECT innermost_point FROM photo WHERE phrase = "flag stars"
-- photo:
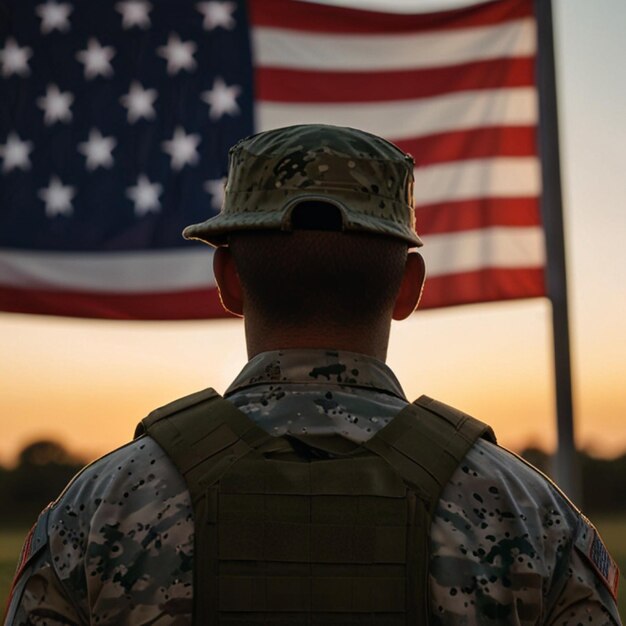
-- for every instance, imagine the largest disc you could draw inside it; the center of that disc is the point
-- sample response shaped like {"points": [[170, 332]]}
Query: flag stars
{"points": [[14, 59], [178, 54], [134, 13], [221, 99], [139, 102], [215, 188], [145, 196], [217, 14], [57, 198], [182, 148], [98, 150], [56, 105], [15, 153], [54, 16], [96, 59]]}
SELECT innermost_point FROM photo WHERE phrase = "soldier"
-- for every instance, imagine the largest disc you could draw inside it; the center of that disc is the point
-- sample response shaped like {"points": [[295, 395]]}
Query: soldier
{"points": [[315, 493]]}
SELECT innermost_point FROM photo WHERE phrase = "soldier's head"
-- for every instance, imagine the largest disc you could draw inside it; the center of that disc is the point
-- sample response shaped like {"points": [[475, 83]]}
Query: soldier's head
{"points": [[315, 241]]}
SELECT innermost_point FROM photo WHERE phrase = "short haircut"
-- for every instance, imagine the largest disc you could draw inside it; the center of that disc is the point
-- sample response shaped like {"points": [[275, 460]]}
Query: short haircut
{"points": [[316, 273]]}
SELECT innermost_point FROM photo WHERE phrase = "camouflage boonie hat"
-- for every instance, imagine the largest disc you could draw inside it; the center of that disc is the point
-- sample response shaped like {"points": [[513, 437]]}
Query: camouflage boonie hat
{"points": [[369, 180]]}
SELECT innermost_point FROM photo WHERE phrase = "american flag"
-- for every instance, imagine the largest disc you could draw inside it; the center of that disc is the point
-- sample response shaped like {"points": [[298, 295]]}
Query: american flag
{"points": [[116, 118]]}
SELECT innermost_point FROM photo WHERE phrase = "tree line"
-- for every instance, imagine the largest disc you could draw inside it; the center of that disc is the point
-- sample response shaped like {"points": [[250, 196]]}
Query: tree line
{"points": [[44, 468]]}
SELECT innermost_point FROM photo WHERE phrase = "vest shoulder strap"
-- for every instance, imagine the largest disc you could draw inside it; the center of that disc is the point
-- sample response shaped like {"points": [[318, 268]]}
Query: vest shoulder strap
{"points": [[426, 442], [203, 435]]}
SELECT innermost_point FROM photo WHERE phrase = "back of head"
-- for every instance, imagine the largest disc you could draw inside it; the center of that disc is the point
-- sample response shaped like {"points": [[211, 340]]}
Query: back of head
{"points": [[318, 220], [317, 274]]}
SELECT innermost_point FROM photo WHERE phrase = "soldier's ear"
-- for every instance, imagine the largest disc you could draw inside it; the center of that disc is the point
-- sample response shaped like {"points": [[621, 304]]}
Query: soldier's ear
{"points": [[411, 288], [227, 279]]}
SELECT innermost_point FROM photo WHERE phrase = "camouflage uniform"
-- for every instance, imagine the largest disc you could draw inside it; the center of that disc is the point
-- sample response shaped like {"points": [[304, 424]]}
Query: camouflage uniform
{"points": [[506, 546]]}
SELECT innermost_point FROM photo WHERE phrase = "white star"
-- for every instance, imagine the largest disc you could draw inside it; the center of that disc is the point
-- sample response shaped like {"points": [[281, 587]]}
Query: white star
{"points": [[179, 54], [14, 60], [98, 150], [215, 187], [139, 102], [134, 13], [58, 198], [217, 14], [54, 16], [97, 59], [222, 99], [182, 148], [55, 105], [145, 195], [15, 153]]}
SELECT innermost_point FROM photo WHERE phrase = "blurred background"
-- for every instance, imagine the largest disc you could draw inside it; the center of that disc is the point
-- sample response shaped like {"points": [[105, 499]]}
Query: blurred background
{"points": [[72, 389]]}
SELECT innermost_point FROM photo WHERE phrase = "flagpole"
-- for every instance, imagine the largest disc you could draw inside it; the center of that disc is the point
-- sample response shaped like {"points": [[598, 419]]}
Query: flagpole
{"points": [[565, 466]]}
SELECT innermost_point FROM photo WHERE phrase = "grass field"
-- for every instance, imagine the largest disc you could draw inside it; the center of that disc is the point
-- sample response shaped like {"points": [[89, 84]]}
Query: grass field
{"points": [[612, 529], [10, 545]]}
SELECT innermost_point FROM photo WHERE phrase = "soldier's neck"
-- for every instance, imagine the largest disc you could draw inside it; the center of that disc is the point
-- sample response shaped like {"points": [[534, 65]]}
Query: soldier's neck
{"points": [[370, 341]]}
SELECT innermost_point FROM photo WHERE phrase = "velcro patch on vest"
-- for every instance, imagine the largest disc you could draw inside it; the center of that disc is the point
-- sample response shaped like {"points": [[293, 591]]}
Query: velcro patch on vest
{"points": [[591, 546]]}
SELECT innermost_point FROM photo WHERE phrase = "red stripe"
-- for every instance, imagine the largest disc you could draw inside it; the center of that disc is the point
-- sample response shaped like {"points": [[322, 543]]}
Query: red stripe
{"points": [[476, 214], [288, 85], [198, 304], [476, 143], [483, 286], [312, 17], [447, 290]]}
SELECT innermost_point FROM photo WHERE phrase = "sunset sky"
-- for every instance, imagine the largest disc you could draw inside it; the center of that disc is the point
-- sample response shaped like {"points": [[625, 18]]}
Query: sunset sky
{"points": [[87, 383]]}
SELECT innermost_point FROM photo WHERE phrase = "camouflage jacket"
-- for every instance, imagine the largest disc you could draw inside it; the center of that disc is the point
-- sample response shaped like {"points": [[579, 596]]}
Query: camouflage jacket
{"points": [[116, 548]]}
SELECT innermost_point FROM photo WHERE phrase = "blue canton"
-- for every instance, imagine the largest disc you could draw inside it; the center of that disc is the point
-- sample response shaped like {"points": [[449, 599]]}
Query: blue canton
{"points": [[116, 118]]}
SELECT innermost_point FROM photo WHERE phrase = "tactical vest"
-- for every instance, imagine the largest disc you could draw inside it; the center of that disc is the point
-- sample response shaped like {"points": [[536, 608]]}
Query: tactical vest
{"points": [[311, 530]]}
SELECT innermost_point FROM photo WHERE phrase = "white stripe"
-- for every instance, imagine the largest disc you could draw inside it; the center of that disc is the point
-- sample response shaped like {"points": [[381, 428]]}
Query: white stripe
{"points": [[467, 251], [174, 270], [409, 119], [277, 47], [106, 272], [401, 6], [507, 177]]}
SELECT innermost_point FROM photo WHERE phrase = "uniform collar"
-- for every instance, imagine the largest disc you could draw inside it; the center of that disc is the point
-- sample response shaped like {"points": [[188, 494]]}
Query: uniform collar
{"points": [[322, 368]]}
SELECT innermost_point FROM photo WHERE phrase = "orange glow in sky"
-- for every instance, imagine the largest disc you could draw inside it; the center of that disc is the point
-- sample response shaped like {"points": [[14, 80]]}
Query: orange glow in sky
{"points": [[88, 383]]}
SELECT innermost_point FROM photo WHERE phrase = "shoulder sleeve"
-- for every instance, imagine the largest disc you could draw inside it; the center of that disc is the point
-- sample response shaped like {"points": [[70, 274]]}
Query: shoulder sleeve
{"points": [[587, 586], [507, 546], [37, 592]]}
